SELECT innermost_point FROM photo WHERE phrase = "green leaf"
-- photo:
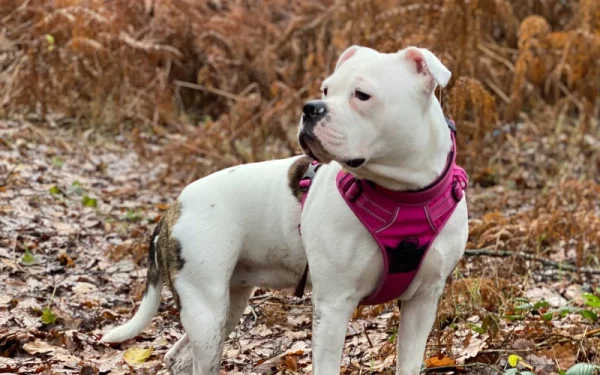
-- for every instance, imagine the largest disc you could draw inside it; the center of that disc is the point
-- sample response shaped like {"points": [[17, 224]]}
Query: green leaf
{"points": [[548, 316], [393, 336], [513, 318], [48, 316], [589, 314], [513, 360], [54, 190], [583, 369], [541, 304], [511, 371], [591, 300], [564, 311], [523, 307], [57, 162], [76, 184], [476, 328], [49, 38], [89, 202], [133, 216], [28, 259]]}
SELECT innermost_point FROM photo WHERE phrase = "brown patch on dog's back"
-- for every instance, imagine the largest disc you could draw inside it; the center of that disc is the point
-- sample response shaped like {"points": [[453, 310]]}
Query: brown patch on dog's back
{"points": [[295, 173]]}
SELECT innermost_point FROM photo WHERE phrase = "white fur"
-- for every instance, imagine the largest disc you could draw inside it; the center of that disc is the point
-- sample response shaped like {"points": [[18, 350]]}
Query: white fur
{"points": [[239, 227], [140, 320]]}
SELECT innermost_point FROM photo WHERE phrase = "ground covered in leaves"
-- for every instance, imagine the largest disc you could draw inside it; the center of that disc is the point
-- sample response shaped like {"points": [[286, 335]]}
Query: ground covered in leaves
{"points": [[75, 214]]}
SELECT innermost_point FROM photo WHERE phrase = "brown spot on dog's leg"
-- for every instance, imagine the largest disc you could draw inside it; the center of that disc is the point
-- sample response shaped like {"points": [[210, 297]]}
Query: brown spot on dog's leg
{"points": [[295, 173]]}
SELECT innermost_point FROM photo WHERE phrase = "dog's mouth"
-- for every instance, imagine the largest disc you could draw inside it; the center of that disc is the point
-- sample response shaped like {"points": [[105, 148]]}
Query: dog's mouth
{"points": [[313, 148], [305, 148], [355, 163]]}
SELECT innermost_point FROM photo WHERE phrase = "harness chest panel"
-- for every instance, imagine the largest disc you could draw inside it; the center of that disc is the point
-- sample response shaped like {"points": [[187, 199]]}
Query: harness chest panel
{"points": [[404, 224]]}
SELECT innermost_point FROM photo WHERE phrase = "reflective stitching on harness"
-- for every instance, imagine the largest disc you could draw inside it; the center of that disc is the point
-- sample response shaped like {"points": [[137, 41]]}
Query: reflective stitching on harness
{"points": [[440, 209], [433, 226], [370, 212], [390, 223], [378, 206]]}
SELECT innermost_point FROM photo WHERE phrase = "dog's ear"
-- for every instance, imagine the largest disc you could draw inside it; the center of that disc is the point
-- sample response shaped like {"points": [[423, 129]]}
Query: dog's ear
{"points": [[348, 53], [429, 66]]}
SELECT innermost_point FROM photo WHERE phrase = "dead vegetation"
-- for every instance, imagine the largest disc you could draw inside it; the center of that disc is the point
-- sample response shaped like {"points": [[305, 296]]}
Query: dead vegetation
{"points": [[224, 80], [239, 71]]}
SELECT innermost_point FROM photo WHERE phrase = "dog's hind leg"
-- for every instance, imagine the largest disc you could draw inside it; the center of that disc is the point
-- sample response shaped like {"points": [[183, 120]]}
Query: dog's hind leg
{"points": [[179, 358], [204, 316]]}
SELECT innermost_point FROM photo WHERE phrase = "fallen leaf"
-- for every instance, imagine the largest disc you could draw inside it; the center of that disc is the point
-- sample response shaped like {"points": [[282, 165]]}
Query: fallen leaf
{"points": [[89, 202], [565, 355], [137, 355], [84, 288], [513, 360], [108, 361], [65, 260], [439, 362], [39, 347], [291, 363], [471, 350]]}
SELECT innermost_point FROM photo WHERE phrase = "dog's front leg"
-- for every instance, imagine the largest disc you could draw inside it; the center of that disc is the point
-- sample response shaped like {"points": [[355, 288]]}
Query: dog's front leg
{"points": [[416, 320], [332, 312]]}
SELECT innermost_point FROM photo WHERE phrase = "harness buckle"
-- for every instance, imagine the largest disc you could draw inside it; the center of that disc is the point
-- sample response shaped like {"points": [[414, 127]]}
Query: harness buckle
{"points": [[353, 190], [458, 189], [308, 176], [451, 125]]}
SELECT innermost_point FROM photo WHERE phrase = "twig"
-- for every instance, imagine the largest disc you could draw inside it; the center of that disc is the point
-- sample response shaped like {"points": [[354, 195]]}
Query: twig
{"points": [[497, 90], [367, 336], [211, 90], [544, 261], [496, 57]]}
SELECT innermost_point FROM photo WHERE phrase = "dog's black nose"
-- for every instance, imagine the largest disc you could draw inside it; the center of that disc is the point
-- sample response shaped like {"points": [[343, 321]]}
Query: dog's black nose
{"points": [[315, 110]]}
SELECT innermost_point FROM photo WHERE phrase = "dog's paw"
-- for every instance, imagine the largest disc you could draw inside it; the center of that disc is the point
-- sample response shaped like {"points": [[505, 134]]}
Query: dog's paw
{"points": [[180, 362]]}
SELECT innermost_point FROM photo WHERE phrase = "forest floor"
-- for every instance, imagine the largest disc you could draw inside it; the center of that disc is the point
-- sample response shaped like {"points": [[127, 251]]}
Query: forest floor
{"points": [[76, 211]]}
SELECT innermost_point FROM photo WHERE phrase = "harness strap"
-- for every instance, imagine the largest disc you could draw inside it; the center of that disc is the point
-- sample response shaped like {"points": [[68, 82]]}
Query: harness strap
{"points": [[305, 183], [299, 291]]}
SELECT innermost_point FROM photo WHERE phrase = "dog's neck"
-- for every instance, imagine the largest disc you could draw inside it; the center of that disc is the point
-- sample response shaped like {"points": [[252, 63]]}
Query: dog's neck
{"points": [[421, 168]]}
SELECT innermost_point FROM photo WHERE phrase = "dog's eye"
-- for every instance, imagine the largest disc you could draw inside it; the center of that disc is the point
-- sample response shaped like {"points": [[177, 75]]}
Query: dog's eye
{"points": [[325, 91], [362, 96]]}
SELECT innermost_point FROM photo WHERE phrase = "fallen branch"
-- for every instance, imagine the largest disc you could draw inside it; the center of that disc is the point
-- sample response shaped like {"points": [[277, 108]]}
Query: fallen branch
{"points": [[544, 261]]}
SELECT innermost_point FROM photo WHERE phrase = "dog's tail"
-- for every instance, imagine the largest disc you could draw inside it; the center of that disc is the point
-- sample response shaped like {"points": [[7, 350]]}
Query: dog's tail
{"points": [[150, 302]]}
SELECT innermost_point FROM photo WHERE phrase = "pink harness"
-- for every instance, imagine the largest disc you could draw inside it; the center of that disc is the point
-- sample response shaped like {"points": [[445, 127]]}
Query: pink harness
{"points": [[404, 224]]}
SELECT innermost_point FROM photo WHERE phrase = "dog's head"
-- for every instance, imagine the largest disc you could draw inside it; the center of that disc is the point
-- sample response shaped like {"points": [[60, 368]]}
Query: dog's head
{"points": [[373, 109]]}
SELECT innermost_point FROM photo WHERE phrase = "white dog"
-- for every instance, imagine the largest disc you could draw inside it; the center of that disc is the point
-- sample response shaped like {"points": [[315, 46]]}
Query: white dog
{"points": [[238, 229]]}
